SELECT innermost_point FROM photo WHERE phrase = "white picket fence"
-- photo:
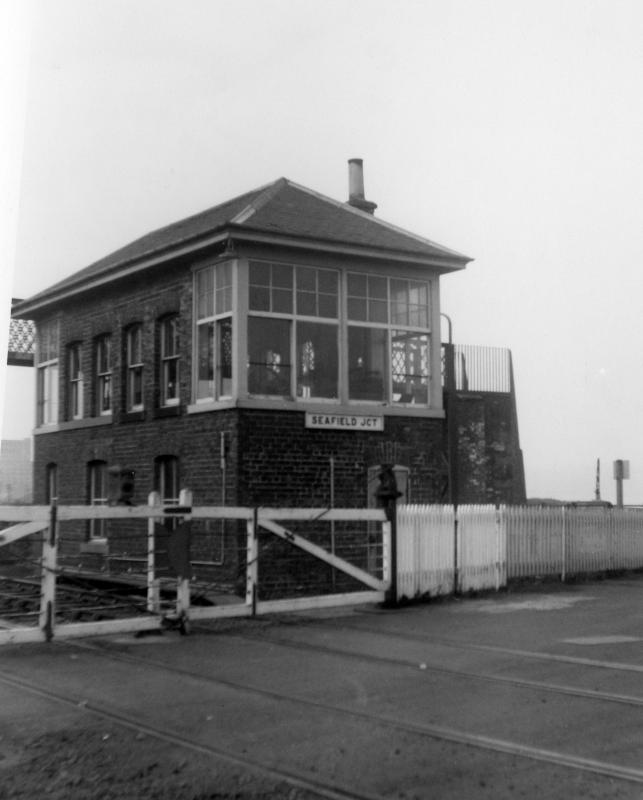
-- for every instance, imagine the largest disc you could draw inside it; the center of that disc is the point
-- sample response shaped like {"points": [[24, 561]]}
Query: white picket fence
{"points": [[482, 547]]}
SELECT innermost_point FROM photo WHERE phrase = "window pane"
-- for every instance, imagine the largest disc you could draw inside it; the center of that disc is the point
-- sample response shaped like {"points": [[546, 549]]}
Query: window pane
{"points": [[307, 304], [259, 298], [377, 311], [307, 279], [224, 287], [259, 274], [356, 285], [327, 281], [410, 367], [377, 287], [205, 374], [224, 337], [105, 393], [137, 386], [170, 337], [357, 309], [171, 379], [327, 305], [282, 301], [367, 363], [205, 290], [317, 363], [268, 356], [282, 276]]}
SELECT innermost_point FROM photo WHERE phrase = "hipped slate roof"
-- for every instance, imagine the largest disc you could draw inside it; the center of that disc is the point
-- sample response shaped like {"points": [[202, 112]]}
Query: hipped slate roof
{"points": [[282, 212]]}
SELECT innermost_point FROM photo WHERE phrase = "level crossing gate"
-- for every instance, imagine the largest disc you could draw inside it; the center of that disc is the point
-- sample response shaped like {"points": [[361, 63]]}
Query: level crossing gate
{"points": [[347, 551]]}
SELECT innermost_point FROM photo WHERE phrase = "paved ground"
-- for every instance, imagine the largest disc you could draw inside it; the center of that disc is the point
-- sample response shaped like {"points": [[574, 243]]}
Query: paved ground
{"points": [[535, 694]]}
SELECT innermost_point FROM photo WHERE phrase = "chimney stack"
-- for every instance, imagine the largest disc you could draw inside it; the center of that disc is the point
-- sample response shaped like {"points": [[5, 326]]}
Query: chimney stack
{"points": [[356, 186]]}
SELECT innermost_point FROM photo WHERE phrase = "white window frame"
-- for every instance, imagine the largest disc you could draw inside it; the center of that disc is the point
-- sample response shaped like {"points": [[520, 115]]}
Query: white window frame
{"points": [[169, 359], [213, 310], [392, 329], [134, 366], [294, 318], [104, 383], [75, 382], [98, 474], [47, 385]]}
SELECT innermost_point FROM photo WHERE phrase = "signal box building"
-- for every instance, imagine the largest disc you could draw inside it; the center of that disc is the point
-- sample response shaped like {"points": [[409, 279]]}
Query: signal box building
{"points": [[273, 350]]}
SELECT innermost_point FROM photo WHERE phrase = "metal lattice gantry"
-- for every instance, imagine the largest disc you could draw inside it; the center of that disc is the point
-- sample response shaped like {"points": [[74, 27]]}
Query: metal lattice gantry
{"points": [[22, 339]]}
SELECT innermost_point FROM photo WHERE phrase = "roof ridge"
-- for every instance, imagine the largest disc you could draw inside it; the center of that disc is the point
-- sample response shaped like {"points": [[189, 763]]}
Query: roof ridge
{"points": [[366, 215], [266, 193]]}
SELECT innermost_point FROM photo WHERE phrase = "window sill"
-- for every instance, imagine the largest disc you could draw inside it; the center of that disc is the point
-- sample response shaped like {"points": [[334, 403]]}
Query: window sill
{"points": [[321, 407], [88, 422], [213, 405], [97, 546]]}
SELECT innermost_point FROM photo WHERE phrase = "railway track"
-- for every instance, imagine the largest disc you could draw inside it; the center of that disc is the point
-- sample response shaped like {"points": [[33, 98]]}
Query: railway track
{"points": [[417, 730], [393, 665], [20, 602]]}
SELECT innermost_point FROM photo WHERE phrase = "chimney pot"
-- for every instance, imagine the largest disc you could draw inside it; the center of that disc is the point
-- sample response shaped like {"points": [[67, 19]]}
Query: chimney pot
{"points": [[356, 186]]}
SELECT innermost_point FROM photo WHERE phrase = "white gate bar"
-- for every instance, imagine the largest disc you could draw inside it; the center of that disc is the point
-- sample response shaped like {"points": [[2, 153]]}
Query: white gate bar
{"points": [[323, 555], [26, 513], [22, 635], [16, 532], [320, 601], [328, 514]]}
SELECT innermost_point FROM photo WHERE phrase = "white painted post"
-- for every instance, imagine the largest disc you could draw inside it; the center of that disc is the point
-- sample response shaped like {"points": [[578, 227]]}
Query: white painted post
{"points": [[563, 545], [252, 563], [386, 552], [153, 585], [498, 549], [183, 584], [47, 617]]}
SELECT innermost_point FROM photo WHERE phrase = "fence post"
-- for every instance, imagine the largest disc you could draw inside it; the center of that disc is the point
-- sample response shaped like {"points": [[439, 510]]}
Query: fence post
{"points": [[153, 586], [252, 563], [498, 547], [47, 617], [387, 572], [456, 551], [183, 582], [387, 494], [563, 536]]}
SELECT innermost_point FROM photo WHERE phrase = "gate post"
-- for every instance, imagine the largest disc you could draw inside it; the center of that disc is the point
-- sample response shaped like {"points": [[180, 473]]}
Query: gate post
{"points": [[183, 581], [387, 494], [153, 586], [252, 563], [47, 617]]}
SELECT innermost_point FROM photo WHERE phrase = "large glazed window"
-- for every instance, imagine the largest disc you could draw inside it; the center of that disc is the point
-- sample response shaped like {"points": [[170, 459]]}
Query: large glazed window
{"points": [[214, 287], [47, 374], [388, 339], [293, 331]]}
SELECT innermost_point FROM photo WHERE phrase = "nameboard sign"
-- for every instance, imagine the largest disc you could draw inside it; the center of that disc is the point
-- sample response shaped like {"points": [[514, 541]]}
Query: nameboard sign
{"points": [[344, 422]]}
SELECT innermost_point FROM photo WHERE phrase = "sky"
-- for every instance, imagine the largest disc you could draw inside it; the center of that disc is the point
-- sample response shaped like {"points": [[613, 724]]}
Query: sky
{"points": [[508, 130]]}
